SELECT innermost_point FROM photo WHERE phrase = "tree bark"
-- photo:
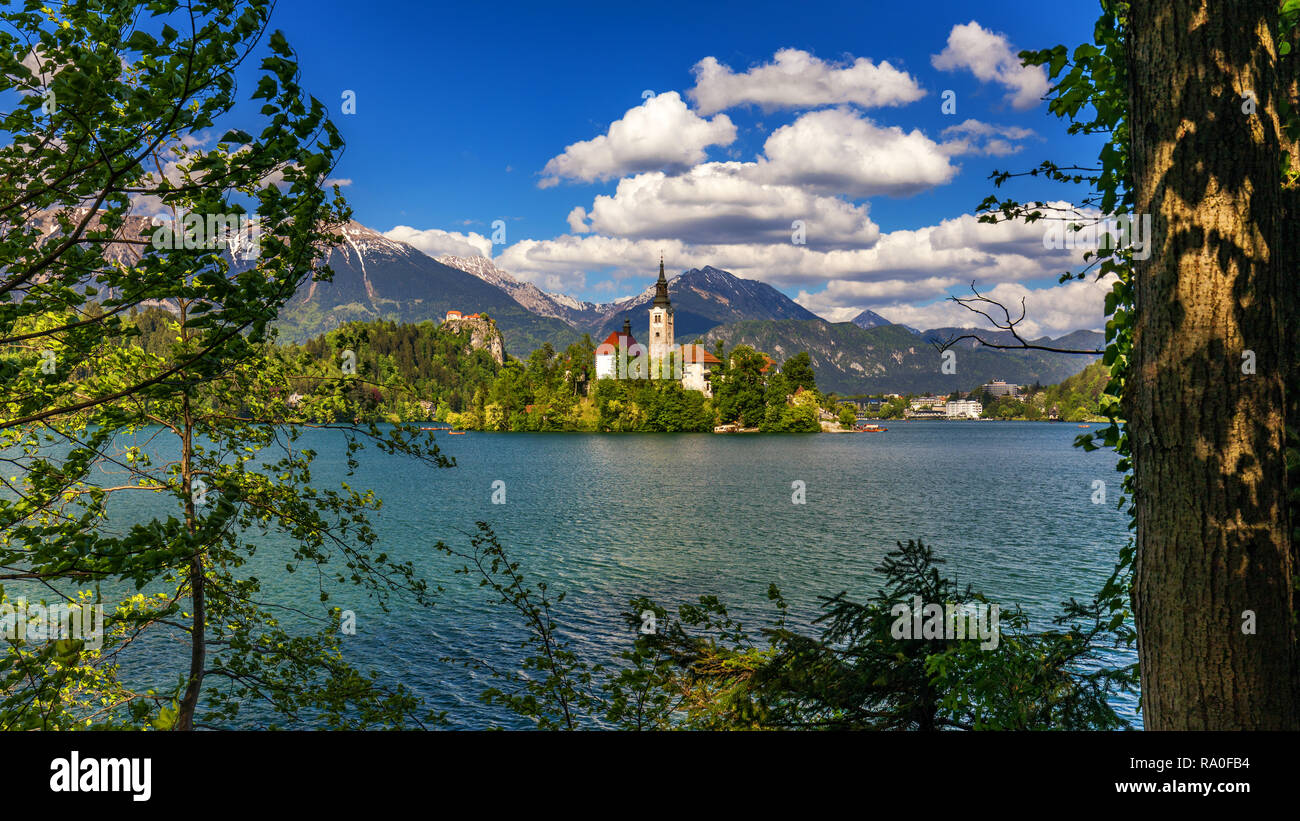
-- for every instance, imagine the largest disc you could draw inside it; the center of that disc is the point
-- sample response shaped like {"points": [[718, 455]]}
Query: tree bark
{"points": [[1213, 534]]}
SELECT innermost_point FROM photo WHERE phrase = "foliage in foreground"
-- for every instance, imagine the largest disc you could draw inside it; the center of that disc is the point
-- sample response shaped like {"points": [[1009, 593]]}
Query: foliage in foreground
{"points": [[123, 105], [852, 671]]}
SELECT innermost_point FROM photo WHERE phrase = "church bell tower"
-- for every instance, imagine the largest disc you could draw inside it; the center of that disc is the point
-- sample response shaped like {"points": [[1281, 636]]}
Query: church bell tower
{"points": [[661, 325]]}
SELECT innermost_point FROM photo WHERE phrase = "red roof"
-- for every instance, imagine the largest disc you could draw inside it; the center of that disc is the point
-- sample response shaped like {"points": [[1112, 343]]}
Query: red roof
{"points": [[699, 353], [767, 367], [615, 339]]}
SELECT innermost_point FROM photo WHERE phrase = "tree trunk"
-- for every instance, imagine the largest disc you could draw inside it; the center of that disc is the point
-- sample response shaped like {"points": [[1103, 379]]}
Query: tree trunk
{"points": [[1289, 82], [1213, 538]]}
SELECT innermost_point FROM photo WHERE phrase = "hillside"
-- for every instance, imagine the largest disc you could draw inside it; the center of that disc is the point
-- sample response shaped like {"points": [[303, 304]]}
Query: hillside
{"points": [[852, 360], [379, 278], [704, 298]]}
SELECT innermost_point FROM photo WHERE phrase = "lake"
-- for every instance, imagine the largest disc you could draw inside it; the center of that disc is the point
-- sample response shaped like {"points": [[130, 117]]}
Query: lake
{"points": [[609, 517]]}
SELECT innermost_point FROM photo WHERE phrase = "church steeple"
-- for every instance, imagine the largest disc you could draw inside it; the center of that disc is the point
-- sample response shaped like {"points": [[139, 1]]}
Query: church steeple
{"points": [[661, 288], [661, 326]]}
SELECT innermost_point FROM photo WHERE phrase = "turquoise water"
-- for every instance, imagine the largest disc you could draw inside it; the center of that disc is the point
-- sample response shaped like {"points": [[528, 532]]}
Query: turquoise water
{"points": [[609, 517]]}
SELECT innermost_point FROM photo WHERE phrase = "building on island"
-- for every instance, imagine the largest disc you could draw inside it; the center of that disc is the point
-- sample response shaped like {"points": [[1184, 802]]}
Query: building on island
{"points": [[607, 352], [697, 364], [661, 320], [620, 356]]}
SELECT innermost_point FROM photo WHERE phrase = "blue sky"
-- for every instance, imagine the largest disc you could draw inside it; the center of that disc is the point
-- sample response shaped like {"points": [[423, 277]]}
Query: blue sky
{"points": [[460, 108]]}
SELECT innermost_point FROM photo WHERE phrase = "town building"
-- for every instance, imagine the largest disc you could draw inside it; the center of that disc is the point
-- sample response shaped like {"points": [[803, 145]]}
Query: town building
{"points": [[928, 403], [963, 409], [999, 388]]}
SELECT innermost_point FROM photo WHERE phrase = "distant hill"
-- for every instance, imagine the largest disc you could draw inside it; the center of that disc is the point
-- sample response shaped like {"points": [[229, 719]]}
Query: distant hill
{"points": [[574, 313], [704, 298], [870, 319], [379, 278], [891, 358]]}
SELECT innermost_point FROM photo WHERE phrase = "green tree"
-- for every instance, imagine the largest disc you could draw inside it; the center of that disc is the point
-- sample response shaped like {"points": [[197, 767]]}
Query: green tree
{"points": [[855, 670], [740, 394], [136, 87], [1222, 212], [798, 372]]}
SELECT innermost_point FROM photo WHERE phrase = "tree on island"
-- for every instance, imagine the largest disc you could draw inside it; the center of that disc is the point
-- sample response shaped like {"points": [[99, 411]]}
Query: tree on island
{"points": [[798, 371], [740, 394]]}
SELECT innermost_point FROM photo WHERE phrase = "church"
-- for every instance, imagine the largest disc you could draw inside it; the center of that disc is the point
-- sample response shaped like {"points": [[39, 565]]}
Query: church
{"points": [[620, 356]]}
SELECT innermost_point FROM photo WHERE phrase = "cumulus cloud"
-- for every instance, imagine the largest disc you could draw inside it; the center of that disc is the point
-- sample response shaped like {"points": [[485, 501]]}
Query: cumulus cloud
{"points": [[561, 264], [989, 57], [975, 137], [835, 151], [900, 274], [661, 133], [719, 202], [1050, 310], [797, 79], [958, 250], [577, 220], [435, 242], [805, 168], [843, 299]]}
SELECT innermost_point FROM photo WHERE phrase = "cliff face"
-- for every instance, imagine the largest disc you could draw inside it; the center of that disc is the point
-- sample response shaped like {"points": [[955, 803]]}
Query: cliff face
{"points": [[484, 335]]}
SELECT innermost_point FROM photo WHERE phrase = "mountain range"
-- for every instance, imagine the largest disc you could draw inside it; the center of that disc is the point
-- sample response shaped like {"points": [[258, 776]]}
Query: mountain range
{"points": [[379, 278], [850, 359]]}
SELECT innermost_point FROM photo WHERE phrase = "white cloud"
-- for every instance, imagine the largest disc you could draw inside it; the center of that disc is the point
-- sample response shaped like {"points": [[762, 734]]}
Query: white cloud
{"points": [[435, 242], [835, 151], [843, 299], [1051, 310], [975, 137], [561, 264], [661, 133], [822, 154], [577, 220], [961, 250], [719, 203], [989, 57], [797, 79]]}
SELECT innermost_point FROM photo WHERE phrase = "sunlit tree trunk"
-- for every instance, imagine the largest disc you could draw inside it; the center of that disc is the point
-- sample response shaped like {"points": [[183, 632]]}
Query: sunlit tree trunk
{"points": [[1214, 557]]}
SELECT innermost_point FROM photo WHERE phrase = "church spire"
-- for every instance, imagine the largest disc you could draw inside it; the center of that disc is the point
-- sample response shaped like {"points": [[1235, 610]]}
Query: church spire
{"points": [[661, 287]]}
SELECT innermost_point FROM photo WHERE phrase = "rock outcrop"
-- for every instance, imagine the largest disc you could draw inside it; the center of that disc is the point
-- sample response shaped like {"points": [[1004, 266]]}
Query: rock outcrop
{"points": [[484, 334]]}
